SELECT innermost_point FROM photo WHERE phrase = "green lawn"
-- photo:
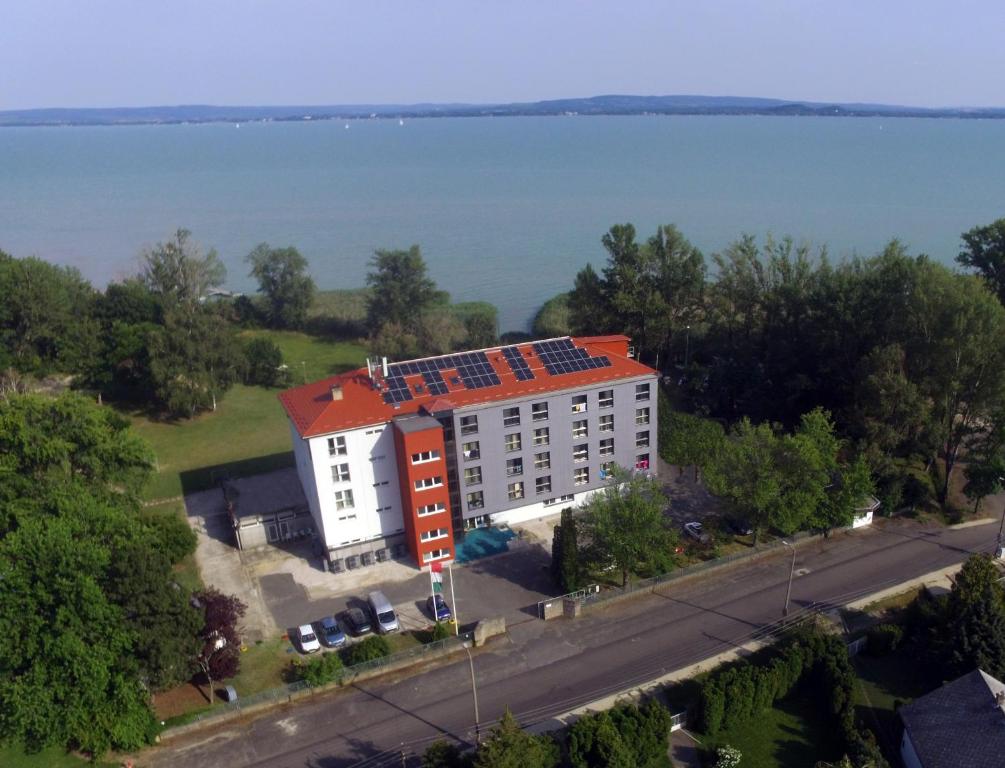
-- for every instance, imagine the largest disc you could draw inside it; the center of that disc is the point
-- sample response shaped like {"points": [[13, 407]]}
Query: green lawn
{"points": [[12, 757], [884, 683], [248, 433], [794, 734]]}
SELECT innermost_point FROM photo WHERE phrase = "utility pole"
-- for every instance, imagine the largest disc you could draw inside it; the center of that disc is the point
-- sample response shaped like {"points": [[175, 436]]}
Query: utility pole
{"points": [[792, 570], [474, 695], [998, 544], [687, 346]]}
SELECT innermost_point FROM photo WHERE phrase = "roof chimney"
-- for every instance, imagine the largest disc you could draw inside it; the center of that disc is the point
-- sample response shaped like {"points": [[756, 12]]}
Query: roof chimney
{"points": [[383, 366], [1000, 699], [336, 391]]}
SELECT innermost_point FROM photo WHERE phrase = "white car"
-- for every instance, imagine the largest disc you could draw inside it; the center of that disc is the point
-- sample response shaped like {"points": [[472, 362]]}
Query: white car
{"points": [[308, 640], [696, 532]]}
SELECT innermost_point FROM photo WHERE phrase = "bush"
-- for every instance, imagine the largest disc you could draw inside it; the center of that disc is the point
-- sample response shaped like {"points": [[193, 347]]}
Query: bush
{"points": [[727, 757], [264, 364], [372, 648], [326, 668], [883, 639], [440, 631], [175, 537]]}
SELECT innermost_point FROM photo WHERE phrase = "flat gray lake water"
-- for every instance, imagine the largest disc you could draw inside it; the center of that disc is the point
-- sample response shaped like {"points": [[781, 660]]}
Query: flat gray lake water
{"points": [[506, 209]]}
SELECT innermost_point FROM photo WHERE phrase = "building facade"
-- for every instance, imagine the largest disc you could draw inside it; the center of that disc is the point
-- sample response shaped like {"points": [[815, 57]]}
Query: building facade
{"points": [[403, 458]]}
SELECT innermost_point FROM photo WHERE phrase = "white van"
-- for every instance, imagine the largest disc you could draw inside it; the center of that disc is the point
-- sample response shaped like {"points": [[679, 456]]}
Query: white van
{"points": [[383, 613]]}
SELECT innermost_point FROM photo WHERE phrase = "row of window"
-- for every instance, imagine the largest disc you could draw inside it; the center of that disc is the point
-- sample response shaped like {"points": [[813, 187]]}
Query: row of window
{"points": [[539, 411]]}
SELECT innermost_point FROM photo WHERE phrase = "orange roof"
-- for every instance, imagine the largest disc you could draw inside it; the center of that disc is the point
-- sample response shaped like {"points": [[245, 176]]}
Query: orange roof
{"points": [[314, 411]]}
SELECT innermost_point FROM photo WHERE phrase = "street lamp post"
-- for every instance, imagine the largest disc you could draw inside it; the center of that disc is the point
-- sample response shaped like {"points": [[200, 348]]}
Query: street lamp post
{"points": [[474, 695], [687, 346], [792, 570]]}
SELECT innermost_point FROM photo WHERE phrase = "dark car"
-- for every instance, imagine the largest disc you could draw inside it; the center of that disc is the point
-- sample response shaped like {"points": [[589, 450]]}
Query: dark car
{"points": [[740, 526], [330, 633], [357, 622], [442, 611]]}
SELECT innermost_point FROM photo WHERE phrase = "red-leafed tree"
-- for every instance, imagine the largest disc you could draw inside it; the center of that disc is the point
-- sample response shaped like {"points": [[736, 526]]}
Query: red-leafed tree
{"points": [[220, 657]]}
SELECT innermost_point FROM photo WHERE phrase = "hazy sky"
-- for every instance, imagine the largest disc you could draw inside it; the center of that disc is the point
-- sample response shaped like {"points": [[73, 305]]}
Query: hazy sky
{"points": [[79, 53]]}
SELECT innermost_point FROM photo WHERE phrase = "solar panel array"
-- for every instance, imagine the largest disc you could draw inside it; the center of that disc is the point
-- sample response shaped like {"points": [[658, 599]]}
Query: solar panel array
{"points": [[517, 364], [474, 371], [561, 356], [434, 382], [397, 390]]}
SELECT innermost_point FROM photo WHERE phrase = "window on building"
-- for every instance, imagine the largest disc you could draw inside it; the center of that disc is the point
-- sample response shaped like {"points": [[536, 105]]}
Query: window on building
{"points": [[340, 473], [513, 442], [539, 412], [606, 469], [541, 436], [476, 500], [472, 475], [641, 416], [343, 500], [542, 460], [641, 439], [511, 417], [559, 500], [428, 482], [439, 533], [581, 476], [430, 509], [606, 398], [514, 491], [580, 429], [347, 517], [581, 452], [543, 484], [514, 467], [606, 423], [607, 447], [436, 554], [469, 425], [380, 483], [642, 391], [579, 403], [423, 456], [336, 446], [642, 461], [471, 451]]}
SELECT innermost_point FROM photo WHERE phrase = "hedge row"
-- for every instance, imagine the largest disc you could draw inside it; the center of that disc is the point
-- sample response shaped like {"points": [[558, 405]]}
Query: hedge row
{"points": [[734, 695]]}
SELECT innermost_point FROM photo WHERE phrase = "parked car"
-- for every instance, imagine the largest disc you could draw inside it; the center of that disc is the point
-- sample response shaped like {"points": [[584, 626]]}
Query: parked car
{"points": [[307, 639], [357, 622], [383, 614], [330, 634], [695, 530], [438, 608], [739, 526]]}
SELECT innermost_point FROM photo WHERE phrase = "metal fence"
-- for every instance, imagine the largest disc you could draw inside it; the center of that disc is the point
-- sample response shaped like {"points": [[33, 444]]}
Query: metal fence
{"points": [[348, 675], [648, 585]]}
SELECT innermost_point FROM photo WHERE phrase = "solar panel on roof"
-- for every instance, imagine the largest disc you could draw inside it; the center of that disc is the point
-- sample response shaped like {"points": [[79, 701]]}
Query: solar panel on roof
{"points": [[562, 356]]}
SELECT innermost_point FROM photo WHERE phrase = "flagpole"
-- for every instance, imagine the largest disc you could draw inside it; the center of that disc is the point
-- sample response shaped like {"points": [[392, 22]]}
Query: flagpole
{"points": [[453, 599]]}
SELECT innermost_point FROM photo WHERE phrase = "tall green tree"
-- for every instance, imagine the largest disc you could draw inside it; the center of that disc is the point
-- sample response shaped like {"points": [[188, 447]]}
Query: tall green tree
{"points": [[984, 252], [283, 279], [509, 746], [566, 568], [46, 317], [624, 525], [178, 271], [401, 290], [194, 359]]}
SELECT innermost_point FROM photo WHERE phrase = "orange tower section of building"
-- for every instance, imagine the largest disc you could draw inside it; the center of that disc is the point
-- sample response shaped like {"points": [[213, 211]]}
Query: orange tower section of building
{"points": [[425, 493]]}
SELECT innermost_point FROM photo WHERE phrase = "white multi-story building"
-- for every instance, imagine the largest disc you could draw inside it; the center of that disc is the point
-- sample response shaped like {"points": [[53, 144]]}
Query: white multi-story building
{"points": [[401, 458]]}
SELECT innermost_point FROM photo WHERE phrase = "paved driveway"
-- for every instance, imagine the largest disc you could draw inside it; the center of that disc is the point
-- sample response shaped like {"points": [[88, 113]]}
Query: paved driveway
{"points": [[510, 585]]}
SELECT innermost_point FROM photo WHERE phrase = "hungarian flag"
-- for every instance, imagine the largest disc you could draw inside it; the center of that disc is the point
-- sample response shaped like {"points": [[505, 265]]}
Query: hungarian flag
{"points": [[436, 577]]}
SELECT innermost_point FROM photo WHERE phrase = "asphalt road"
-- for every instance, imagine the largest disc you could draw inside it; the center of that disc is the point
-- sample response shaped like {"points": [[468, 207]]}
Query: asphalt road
{"points": [[544, 669]]}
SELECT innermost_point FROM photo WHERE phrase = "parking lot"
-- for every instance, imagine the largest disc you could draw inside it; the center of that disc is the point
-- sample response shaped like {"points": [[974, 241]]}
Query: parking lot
{"points": [[287, 585]]}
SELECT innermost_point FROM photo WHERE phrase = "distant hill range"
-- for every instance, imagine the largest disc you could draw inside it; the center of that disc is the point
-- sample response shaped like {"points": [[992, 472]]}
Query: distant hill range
{"points": [[595, 105]]}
